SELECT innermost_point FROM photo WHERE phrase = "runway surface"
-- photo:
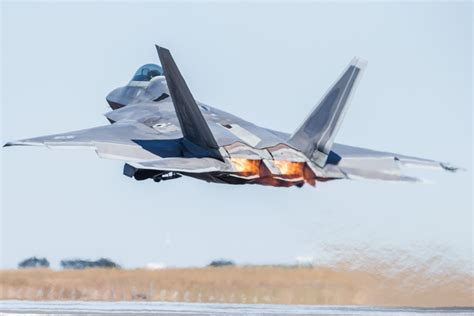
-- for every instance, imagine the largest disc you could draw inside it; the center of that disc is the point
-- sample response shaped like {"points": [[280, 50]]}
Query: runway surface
{"points": [[175, 308]]}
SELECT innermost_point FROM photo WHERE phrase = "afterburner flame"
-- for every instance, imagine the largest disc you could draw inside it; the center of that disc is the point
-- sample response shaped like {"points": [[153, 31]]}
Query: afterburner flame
{"points": [[296, 170], [290, 168], [290, 172], [246, 166]]}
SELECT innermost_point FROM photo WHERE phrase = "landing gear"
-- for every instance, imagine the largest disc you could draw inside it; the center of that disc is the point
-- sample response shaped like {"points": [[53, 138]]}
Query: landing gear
{"points": [[166, 176]]}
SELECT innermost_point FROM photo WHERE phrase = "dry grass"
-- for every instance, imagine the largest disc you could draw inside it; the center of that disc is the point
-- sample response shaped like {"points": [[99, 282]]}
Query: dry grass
{"points": [[276, 285]]}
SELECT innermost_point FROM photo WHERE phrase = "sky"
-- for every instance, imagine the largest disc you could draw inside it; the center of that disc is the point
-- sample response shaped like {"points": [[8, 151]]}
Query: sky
{"points": [[268, 63]]}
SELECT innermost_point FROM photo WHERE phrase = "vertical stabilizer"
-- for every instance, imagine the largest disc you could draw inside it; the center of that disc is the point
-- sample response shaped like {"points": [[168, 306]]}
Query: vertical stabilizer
{"points": [[316, 135], [193, 125]]}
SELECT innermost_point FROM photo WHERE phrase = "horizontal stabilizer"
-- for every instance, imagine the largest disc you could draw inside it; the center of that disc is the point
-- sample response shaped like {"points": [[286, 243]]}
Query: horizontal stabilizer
{"points": [[193, 124]]}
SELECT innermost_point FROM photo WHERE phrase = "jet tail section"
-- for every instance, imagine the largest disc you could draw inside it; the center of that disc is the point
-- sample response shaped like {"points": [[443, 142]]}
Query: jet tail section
{"points": [[193, 124], [316, 135]]}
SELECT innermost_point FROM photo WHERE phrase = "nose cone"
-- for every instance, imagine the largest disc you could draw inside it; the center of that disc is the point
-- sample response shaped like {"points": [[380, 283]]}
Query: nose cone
{"points": [[113, 99], [123, 96]]}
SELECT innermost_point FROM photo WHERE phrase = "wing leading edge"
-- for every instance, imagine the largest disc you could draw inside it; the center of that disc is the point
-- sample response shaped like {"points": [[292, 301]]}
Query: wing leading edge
{"points": [[110, 141]]}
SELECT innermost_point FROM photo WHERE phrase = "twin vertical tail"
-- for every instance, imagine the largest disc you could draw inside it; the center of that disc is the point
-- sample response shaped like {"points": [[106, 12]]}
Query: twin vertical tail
{"points": [[316, 135]]}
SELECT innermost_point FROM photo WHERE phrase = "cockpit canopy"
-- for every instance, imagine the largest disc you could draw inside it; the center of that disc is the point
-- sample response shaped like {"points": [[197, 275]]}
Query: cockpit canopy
{"points": [[146, 72]]}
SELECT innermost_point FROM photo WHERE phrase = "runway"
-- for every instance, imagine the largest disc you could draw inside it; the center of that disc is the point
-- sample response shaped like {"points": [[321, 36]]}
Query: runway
{"points": [[13, 307]]}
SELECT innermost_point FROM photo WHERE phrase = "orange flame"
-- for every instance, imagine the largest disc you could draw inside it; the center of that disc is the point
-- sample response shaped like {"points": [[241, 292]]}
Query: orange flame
{"points": [[293, 170], [290, 168], [291, 173], [246, 166]]}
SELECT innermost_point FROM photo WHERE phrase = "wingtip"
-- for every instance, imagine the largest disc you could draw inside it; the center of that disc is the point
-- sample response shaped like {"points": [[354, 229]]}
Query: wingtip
{"points": [[451, 168], [23, 143], [14, 143]]}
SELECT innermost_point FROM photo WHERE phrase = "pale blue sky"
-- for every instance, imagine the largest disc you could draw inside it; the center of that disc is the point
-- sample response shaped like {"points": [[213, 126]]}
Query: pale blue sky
{"points": [[269, 63]]}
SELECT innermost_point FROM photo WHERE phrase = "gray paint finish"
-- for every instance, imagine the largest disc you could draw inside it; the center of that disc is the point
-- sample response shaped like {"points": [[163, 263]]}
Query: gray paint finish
{"points": [[316, 136], [193, 125], [162, 138]]}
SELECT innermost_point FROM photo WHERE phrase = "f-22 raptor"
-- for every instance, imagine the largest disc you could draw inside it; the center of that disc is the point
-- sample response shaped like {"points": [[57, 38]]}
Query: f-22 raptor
{"points": [[161, 132]]}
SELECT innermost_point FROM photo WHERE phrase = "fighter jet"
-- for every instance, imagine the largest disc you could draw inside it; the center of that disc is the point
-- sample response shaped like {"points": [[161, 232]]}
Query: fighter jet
{"points": [[161, 132]]}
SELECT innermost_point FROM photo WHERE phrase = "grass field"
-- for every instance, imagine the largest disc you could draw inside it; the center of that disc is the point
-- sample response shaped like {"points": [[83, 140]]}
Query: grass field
{"points": [[275, 285]]}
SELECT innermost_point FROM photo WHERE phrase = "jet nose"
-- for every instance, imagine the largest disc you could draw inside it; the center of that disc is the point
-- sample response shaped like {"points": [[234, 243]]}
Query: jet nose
{"points": [[123, 96], [114, 99]]}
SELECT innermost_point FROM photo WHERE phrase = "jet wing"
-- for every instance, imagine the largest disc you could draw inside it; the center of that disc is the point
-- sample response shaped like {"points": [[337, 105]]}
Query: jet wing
{"points": [[361, 163], [116, 141]]}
